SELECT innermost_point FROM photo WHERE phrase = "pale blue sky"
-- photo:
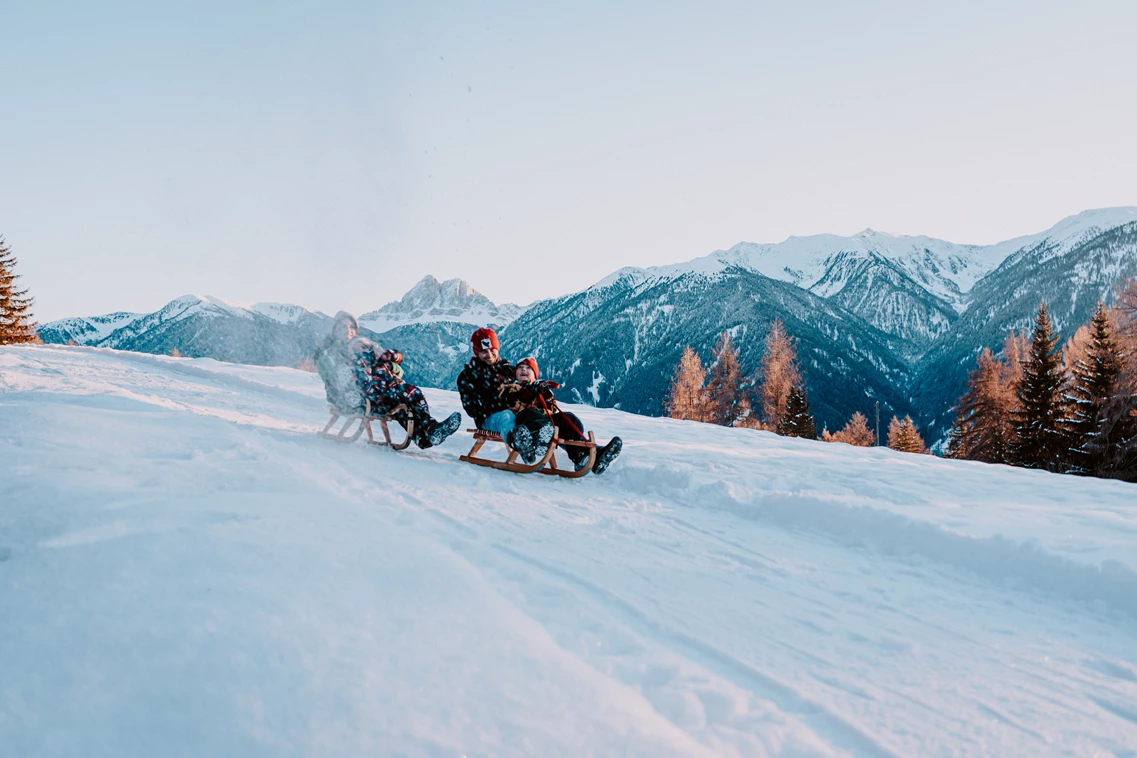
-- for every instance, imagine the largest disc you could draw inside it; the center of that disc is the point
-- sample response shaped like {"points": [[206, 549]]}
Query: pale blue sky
{"points": [[331, 154]]}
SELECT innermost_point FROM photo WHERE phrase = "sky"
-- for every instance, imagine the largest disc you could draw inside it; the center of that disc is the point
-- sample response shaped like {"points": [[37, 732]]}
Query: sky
{"points": [[332, 154]]}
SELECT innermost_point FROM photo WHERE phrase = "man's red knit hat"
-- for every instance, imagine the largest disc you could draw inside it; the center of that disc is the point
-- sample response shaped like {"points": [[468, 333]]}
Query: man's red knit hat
{"points": [[485, 339], [531, 363]]}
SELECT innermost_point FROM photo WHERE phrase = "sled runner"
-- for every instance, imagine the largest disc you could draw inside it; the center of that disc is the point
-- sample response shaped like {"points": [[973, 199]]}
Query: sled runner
{"points": [[345, 434], [547, 464]]}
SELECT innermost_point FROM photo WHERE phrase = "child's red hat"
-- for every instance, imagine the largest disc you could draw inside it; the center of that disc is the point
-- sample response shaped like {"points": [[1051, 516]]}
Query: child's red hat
{"points": [[531, 363]]}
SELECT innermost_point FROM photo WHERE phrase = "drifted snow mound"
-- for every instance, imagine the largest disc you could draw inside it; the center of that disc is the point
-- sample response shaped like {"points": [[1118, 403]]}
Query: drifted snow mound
{"points": [[186, 569]]}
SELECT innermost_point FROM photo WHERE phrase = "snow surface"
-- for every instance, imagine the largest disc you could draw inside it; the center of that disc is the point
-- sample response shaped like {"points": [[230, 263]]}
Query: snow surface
{"points": [[186, 569]]}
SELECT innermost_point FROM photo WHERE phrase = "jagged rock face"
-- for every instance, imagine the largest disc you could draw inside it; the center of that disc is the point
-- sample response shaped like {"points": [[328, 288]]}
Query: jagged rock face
{"points": [[882, 294], [619, 345], [432, 301]]}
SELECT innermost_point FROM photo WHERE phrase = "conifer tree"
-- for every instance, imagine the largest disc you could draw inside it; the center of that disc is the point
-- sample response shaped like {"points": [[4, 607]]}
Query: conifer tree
{"points": [[1113, 445], [1040, 440], [1094, 379], [779, 373], [980, 430], [16, 325], [724, 392], [903, 437], [856, 432], [687, 398], [796, 420]]}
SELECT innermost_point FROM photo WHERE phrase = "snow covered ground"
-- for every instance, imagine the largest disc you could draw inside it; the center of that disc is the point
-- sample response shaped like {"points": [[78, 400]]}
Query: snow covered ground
{"points": [[187, 570]]}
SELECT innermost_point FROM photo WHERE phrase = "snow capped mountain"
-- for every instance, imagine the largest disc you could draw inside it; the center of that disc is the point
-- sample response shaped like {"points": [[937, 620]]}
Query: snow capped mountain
{"points": [[282, 312], [432, 301], [824, 263], [85, 330], [431, 325]]}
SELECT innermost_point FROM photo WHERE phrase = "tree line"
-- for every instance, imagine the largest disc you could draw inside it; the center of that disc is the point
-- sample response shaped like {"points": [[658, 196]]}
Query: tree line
{"points": [[773, 400], [1070, 410]]}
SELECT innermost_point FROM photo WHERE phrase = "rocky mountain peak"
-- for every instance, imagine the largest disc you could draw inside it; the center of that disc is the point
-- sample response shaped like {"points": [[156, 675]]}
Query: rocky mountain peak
{"points": [[431, 301]]}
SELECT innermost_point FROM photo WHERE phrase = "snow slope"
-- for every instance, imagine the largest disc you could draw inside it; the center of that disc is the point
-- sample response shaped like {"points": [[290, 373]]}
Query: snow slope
{"points": [[185, 569]]}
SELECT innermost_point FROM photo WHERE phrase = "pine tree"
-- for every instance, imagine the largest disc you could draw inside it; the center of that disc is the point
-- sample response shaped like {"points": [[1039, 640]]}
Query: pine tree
{"points": [[1094, 379], [1040, 440], [724, 392], [779, 373], [796, 420], [903, 437], [16, 325], [958, 441], [687, 398], [1113, 445]]}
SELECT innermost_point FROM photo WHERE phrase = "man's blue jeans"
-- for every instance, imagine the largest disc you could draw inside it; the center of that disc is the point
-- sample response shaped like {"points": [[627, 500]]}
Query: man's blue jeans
{"points": [[501, 422]]}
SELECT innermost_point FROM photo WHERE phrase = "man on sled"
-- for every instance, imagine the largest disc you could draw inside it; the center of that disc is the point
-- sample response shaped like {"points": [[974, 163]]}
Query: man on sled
{"points": [[355, 369], [510, 402]]}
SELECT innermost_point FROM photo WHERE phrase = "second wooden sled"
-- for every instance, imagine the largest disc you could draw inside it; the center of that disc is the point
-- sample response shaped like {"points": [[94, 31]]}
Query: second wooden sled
{"points": [[346, 435], [547, 464]]}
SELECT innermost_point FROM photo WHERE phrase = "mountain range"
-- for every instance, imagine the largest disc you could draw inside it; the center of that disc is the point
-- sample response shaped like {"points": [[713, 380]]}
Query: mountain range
{"points": [[877, 317], [430, 324]]}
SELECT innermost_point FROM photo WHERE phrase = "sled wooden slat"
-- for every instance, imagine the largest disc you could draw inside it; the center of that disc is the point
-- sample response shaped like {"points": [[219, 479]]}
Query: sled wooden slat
{"points": [[364, 421], [547, 464]]}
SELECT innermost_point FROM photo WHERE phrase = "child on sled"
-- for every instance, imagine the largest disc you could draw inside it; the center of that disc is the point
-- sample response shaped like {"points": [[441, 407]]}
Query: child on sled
{"points": [[536, 418]]}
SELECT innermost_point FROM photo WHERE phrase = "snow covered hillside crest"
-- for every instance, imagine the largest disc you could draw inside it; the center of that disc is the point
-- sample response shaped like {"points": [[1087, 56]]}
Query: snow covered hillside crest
{"points": [[183, 562]]}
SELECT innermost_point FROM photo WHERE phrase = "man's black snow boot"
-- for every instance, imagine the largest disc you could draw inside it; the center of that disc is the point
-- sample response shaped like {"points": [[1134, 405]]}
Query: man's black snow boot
{"points": [[605, 455], [522, 441]]}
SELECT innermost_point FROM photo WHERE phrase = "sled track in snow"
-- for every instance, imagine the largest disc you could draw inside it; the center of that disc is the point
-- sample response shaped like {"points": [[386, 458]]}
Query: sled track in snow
{"points": [[1023, 565], [819, 718]]}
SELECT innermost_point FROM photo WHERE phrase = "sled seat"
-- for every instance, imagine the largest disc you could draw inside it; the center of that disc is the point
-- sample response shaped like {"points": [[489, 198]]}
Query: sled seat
{"points": [[547, 464], [364, 420]]}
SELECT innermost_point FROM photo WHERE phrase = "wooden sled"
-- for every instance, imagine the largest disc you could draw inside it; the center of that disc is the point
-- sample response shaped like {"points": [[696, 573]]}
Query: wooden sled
{"points": [[345, 434], [547, 464]]}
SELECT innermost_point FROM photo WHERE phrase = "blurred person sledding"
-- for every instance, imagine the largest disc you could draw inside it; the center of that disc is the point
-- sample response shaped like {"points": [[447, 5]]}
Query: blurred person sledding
{"points": [[364, 383], [509, 404]]}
